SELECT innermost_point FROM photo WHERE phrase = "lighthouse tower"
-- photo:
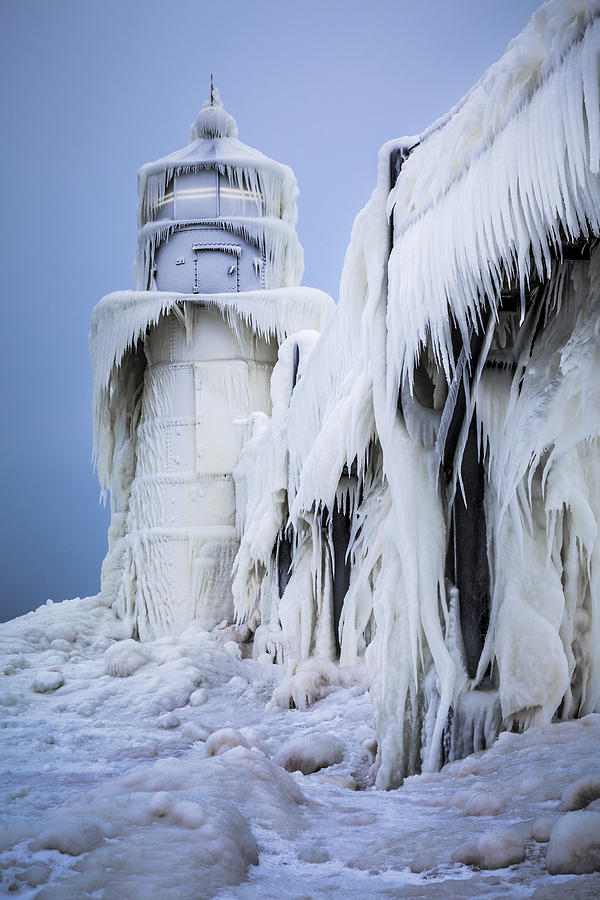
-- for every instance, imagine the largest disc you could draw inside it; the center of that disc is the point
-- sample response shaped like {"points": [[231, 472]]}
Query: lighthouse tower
{"points": [[181, 363]]}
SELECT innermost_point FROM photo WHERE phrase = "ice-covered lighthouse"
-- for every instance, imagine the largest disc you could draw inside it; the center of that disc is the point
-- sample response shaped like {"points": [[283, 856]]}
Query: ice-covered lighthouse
{"points": [[181, 363]]}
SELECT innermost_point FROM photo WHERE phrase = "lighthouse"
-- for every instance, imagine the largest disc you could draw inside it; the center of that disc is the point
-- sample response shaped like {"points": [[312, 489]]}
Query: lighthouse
{"points": [[182, 363]]}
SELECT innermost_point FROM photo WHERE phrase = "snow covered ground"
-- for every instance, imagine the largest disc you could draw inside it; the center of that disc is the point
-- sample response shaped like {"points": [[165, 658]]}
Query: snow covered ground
{"points": [[159, 769]]}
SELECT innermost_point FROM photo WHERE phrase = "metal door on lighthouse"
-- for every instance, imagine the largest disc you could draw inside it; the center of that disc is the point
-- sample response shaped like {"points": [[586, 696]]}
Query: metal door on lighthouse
{"points": [[216, 268]]}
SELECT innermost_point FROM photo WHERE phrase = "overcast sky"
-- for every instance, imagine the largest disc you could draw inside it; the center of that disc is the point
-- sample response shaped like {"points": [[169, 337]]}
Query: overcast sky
{"points": [[91, 91]]}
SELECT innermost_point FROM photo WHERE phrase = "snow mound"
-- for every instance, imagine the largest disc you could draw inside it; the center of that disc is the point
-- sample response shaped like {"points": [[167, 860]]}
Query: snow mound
{"points": [[255, 741], [574, 847], [68, 834], [309, 753], [313, 680], [484, 803], [542, 828], [124, 658], [84, 624], [181, 826], [195, 732], [225, 739], [198, 697], [48, 681], [168, 720], [495, 849]]}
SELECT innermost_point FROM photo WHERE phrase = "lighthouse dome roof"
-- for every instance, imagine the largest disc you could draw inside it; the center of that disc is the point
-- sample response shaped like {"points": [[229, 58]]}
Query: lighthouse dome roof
{"points": [[214, 144], [213, 120]]}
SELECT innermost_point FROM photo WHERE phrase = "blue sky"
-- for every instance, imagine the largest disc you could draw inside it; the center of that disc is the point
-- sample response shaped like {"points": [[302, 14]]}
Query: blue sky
{"points": [[91, 91]]}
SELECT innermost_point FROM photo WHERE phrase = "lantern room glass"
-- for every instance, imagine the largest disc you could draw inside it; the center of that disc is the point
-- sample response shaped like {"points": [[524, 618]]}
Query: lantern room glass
{"points": [[238, 201], [196, 195], [207, 194]]}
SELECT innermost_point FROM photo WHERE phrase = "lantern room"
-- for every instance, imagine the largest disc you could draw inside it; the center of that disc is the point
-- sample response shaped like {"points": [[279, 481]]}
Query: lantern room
{"points": [[217, 216]]}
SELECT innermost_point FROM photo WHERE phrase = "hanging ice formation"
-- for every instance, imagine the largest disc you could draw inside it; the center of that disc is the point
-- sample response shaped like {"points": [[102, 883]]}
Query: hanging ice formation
{"points": [[182, 362], [426, 492]]}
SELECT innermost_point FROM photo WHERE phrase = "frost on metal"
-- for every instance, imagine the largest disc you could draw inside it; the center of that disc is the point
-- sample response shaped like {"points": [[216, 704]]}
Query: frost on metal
{"points": [[425, 494]]}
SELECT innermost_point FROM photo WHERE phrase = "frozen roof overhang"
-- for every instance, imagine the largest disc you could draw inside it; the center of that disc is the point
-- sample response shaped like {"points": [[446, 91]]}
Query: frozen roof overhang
{"points": [[492, 190]]}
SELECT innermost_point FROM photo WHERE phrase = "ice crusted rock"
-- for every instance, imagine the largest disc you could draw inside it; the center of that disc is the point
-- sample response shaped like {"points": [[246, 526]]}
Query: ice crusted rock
{"points": [[69, 835], [574, 847], [61, 645], [309, 753], [124, 658], [14, 664], [193, 732], [254, 739], [581, 793], [168, 720], [198, 697], [542, 828], [233, 648], [176, 698], [495, 849], [48, 681], [225, 739], [423, 861], [313, 680], [484, 803], [35, 875]]}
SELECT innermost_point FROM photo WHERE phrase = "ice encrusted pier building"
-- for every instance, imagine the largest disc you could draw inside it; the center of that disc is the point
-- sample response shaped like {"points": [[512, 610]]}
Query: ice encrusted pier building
{"points": [[181, 363], [421, 489], [435, 475]]}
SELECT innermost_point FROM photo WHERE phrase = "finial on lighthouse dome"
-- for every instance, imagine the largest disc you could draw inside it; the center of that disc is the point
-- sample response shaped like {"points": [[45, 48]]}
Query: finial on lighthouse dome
{"points": [[213, 120]]}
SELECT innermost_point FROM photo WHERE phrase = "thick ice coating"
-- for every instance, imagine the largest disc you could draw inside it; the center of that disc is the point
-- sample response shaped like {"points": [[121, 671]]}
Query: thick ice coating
{"points": [[432, 498]]}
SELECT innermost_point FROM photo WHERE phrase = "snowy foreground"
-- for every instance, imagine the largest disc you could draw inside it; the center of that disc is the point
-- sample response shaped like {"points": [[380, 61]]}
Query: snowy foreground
{"points": [[159, 769]]}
